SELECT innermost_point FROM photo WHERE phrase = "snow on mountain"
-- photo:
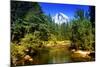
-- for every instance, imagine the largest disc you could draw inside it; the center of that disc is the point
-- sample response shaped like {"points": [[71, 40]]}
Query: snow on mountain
{"points": [[60, 18]]}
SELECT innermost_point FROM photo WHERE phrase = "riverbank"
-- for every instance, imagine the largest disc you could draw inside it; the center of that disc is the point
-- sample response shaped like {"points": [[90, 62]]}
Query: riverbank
{"points": [[54, 52]]}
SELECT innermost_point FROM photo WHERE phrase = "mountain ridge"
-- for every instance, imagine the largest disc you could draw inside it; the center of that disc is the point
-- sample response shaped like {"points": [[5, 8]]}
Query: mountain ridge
{"points": [[60, 18]]}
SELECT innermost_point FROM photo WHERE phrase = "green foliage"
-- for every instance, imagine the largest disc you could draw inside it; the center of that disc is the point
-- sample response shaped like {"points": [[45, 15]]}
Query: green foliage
{"points": [[17, 50], [82, 33], [79, 14], [20, 24], [31, 28]]}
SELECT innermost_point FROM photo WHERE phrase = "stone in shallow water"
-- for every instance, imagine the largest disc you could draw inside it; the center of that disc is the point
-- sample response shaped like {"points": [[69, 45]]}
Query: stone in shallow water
{"points": [[80, 56]]}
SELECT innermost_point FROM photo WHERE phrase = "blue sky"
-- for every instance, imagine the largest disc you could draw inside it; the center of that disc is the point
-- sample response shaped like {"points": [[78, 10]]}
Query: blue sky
{"points": [[67, 9]]}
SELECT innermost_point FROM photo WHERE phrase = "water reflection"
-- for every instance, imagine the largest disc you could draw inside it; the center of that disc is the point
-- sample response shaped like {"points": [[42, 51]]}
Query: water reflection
{"points": [[57, 55]]}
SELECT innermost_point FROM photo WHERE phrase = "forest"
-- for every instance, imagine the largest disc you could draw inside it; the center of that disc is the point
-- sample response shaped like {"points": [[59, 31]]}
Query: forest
{"points": [[37, 39]]}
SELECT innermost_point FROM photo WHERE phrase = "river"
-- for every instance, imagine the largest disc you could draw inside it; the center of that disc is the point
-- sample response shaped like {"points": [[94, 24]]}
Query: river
{"points": [[57, 55]]}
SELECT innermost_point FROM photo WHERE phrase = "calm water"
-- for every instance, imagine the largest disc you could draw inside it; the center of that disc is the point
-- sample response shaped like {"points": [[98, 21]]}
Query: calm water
{"points": [[59, 55], [55, 55]]}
